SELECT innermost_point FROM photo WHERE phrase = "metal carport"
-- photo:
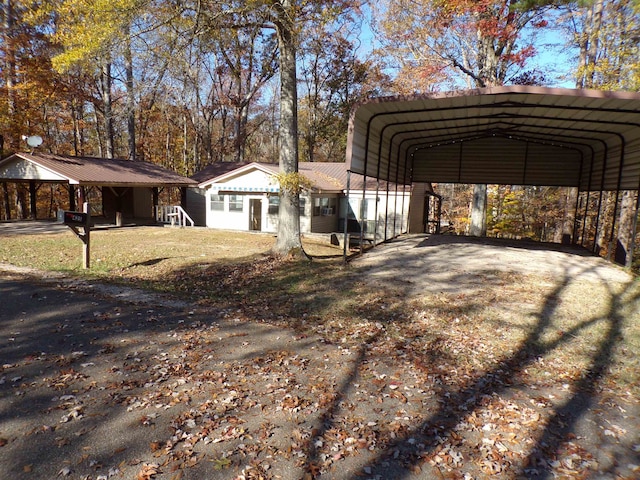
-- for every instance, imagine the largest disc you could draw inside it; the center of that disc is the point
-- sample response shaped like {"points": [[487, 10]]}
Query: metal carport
{"points": [[515, 135]]}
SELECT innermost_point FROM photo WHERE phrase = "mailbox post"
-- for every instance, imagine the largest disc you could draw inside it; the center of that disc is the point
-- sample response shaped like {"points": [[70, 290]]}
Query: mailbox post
{"points": [[81, 220]]}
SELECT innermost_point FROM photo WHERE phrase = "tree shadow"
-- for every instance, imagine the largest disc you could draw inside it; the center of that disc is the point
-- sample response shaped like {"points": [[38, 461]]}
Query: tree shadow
{"points": [[524, 244], [149, 263], [285, 293], [458, 403]]}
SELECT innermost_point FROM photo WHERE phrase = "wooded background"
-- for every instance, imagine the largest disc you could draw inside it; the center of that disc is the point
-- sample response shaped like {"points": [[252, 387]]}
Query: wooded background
{"points": [[187, 83]]}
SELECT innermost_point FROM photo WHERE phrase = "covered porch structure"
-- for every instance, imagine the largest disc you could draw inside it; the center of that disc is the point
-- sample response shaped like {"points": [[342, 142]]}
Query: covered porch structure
{"points": [[517, 135], [118, 190]]}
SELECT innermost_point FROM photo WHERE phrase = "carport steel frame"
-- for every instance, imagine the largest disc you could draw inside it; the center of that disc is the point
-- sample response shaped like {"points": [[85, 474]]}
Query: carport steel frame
{"points": [[561, 139]]}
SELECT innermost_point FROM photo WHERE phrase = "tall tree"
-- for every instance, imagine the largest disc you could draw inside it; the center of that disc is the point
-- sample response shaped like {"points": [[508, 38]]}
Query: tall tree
{"points": [[471, 43], [249, 56], [287, 25], [606, 35], [333, 78], [287, 18], [30, 89], [9, 35]]}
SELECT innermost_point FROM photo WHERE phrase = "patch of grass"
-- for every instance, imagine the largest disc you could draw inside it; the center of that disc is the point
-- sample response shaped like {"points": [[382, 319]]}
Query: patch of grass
{"points": [[142, 252]]}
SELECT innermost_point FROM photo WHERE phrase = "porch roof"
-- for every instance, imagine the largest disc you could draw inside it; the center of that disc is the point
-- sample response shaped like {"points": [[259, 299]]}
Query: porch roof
{"points": [[89, 171]]}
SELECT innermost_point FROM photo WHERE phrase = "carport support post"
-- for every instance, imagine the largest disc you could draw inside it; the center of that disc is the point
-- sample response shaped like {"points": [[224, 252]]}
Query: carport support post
{"points": [[634, 226], [345, 243], [362, 208], [375, 228]]}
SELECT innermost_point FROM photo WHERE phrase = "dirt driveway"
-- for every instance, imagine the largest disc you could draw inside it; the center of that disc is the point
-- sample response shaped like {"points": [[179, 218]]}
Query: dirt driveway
{"points": [[447, 263], [458, 365]]}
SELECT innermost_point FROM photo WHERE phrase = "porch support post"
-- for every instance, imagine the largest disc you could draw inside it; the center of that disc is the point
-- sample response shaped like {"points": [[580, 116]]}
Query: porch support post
{"points": [[183, 197], [72, 198], [33, 203], [155, 195]]}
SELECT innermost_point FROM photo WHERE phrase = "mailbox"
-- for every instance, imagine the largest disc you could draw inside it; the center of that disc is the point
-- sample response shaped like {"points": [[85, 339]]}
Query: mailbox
{"points": [[74, 218]]}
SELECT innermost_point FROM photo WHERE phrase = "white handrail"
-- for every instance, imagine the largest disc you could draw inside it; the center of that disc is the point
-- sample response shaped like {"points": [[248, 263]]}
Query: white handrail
{"points": [[173, 214]]}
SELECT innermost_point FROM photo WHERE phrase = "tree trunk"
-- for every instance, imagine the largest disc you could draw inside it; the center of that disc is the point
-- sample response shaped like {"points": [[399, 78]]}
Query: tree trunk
{"points": [[288, 241], [593, 48], [131, 100], [478, 227], [606, 215], [109, 134], [588, 44], [9, 67], [565, 224], [242, 120], [185, 143], [624, 244]]}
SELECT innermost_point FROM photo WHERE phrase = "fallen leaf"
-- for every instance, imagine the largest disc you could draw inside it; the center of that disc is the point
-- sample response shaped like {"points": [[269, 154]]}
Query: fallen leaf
{"points": [[148, 471], [221, 463]]}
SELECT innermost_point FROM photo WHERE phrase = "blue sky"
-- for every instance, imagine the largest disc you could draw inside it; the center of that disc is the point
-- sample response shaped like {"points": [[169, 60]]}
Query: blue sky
{"points": [[553, 57]]}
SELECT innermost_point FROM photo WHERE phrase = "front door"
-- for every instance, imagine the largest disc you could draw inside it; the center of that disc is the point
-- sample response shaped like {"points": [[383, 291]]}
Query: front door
{"points": [[255, 212]]}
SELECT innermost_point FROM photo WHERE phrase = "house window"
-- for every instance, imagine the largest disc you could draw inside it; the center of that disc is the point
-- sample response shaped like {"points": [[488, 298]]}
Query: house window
{"points": [[324, 206], [274, 204], [235, 203], [217, 203]]}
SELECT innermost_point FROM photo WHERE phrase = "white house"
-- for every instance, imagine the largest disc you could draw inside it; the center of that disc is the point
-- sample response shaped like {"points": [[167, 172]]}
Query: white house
{"points": [[244, 196]]}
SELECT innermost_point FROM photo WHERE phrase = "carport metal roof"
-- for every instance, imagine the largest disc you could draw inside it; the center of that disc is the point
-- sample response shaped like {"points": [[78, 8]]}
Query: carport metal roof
{"points": [[517, 135]]}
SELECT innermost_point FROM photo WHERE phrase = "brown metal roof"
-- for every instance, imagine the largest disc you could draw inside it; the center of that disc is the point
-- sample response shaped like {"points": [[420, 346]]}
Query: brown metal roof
{"points": [[510, 135], [216, 169], [89, 171], [324, 176]]}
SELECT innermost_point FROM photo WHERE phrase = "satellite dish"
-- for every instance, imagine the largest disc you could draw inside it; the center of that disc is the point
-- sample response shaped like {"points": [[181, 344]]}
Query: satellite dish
{"points": [[34, 141]]}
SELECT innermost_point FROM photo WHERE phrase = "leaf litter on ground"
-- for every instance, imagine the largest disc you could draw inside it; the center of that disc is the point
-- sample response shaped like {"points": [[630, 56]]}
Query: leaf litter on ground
{"points": [[295, 370]]}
